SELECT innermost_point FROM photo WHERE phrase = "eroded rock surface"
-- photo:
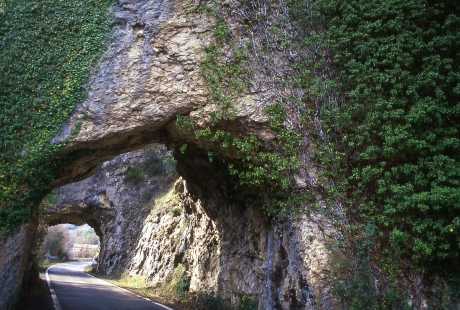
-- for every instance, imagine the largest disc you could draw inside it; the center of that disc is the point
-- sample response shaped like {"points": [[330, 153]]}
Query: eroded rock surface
{"points": [[149, 229], [15, 254], [148, 76]]}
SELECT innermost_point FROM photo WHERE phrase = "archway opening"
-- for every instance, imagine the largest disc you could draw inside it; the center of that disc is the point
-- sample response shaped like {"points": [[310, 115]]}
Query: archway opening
{"points": [[64, 242], [114, 201]]}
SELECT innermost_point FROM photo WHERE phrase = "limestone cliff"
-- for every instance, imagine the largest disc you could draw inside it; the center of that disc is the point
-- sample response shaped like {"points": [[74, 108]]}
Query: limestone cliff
{"points": [[224, 247], [148, 76]]}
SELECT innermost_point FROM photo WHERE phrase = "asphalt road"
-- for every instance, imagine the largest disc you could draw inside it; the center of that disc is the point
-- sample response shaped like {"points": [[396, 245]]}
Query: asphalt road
{"points": [[76, 290]]}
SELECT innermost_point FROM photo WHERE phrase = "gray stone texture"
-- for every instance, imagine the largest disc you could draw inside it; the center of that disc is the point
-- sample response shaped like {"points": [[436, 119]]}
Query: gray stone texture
{"points": [[224, 247], [149, 75]]}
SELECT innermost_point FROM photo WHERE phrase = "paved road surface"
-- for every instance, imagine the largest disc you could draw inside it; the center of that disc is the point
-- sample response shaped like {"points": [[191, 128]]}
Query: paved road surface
{"points": [[75, 290]]}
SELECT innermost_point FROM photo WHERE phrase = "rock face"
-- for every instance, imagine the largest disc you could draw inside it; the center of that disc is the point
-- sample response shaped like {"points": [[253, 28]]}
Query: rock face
{"points": [[110, 203], [14, 262], [223, 246], [148, 76]]}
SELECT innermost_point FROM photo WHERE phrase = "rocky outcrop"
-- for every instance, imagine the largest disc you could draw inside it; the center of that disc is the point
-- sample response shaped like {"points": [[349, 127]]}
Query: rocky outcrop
{"points": [[223, 246], [148, 76], [15, 262], [111, 203]]}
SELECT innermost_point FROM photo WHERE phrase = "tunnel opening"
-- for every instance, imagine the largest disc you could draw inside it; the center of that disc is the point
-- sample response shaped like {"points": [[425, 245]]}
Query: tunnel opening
{"points": [[64, 242], [166, 212], [115, 201], [158, 211]]}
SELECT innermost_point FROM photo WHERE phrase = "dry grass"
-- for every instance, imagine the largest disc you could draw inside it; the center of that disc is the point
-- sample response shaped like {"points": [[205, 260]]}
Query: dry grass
{"points": [[140, 286]]}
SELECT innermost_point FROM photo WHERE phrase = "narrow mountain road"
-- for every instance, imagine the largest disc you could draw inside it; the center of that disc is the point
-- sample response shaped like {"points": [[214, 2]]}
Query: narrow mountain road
{"points": [[73, 289]]}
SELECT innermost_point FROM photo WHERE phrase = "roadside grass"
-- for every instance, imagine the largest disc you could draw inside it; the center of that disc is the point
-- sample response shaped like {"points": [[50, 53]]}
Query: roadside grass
{"points": [[45, 264], [140, 286], [174, 292]]}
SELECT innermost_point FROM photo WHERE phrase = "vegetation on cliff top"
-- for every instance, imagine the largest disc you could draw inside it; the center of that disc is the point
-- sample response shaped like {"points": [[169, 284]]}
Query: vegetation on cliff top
{"points": [[46, 51]]}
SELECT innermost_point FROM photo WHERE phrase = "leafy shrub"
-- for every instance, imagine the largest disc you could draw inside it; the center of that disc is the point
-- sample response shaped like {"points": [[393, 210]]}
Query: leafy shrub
{"points": [[155, 166], [158, 166], [212, 301], [177, 283], [134, 174], [181, 287]]}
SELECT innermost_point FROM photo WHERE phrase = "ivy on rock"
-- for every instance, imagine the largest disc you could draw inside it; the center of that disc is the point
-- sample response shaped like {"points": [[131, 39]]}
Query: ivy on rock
{"points": [[398, 124], [389, 132], [46, 51]]}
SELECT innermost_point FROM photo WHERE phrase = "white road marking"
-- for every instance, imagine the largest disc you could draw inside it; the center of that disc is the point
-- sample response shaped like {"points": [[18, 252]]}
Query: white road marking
{"points": [[153, 302], [57, 306]]}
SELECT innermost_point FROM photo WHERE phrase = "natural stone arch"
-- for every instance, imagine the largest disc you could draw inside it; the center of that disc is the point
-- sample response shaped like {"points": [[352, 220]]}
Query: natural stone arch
{"points": [[144, 82], [94, 210], [224, 246]]}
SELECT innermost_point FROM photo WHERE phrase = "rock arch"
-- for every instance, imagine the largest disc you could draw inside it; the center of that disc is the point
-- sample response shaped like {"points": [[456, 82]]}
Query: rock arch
{"points": [[95, 210], [144, 82]]}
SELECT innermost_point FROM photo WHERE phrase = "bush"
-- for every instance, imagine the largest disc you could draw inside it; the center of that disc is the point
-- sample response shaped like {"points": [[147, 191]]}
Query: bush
{"points": [[178, 283], [212, 301], [155, 167], [134, 174], [158, 166], [169, 164]]}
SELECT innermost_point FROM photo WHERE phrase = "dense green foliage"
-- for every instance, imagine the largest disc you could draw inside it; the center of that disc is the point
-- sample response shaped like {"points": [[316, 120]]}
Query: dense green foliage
{"points": [[392, 129], [396, 125], [46, 51]]}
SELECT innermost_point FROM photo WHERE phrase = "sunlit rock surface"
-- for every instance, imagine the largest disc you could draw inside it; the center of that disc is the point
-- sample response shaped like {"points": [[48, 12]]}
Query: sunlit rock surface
{"points": [[152, 227], [149, 75]]}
